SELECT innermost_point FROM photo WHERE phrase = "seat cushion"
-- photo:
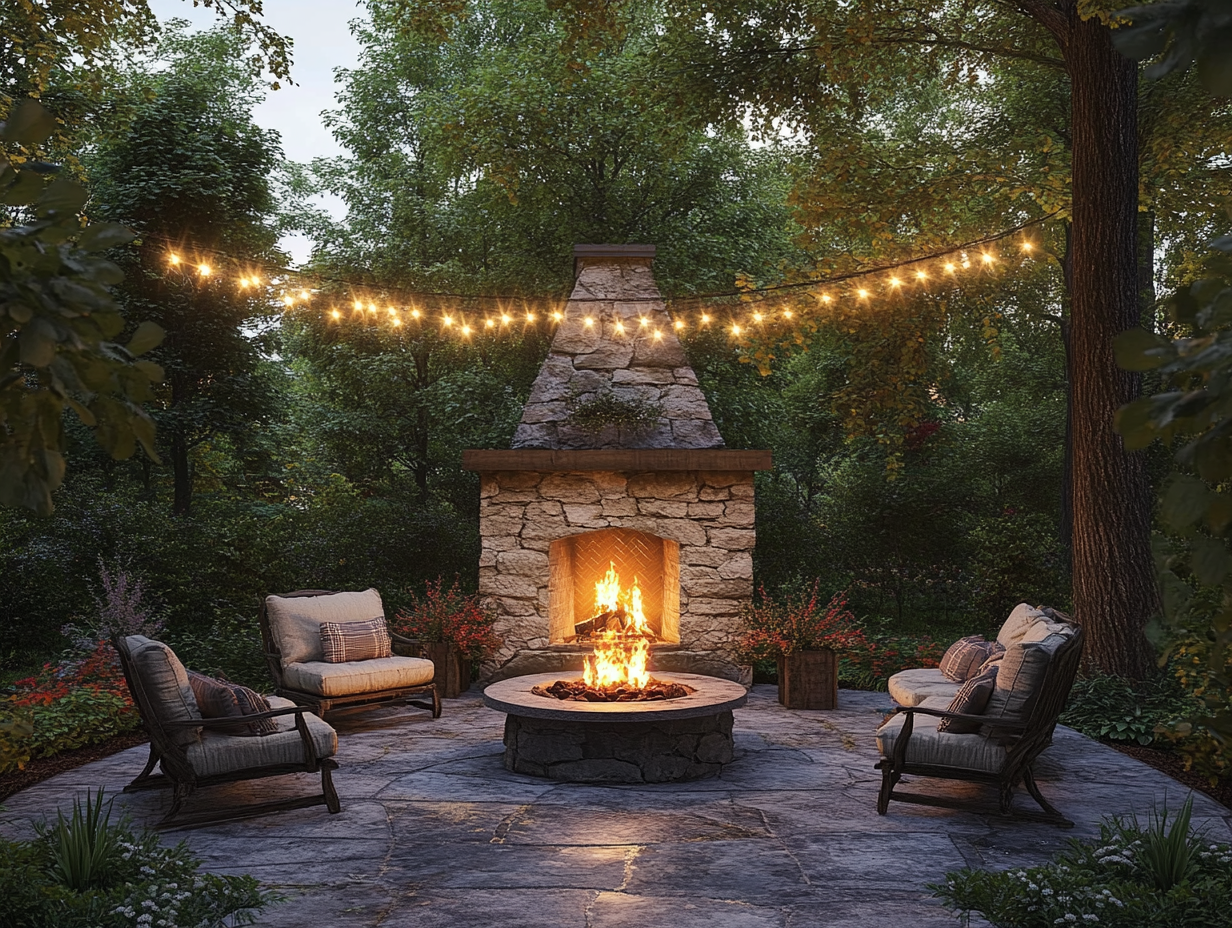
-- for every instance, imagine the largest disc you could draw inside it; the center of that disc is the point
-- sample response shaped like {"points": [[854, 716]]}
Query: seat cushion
{"points": [[382, 673], [943, 749], [295, 621], [912, 687], [218, 753], [165, 684]]}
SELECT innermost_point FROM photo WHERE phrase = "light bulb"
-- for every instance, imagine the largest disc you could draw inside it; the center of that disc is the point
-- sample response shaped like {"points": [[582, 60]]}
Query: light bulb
{"points": [[735, 329], [505, 319], [705, 319], [863, 294], [530, 317], [371, 307], [448, 321], [414, 314], [658, 335], [336, 314], [1026, 246], [895, 282], [397, 321], [489, 323], [787, 314], [304, 294], [557, 317], [203, 270], [826, 298], [359, 307], [288, 299], [619, 327], [588, 322], [173, 258], [987, 258], [949, 268], [757, 317], [920, 275], [679, 324], [466, 330]]}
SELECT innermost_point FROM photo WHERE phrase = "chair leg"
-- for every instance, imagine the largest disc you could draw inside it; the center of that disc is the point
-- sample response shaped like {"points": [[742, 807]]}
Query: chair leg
{"points": [[179, 794], [436, 702], [1028, 779], [141, 780], [327, 787], [889, 778]]}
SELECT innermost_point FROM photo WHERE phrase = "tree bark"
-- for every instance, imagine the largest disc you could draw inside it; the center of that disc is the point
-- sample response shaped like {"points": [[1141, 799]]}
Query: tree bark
{"points": [[1114, 585]]}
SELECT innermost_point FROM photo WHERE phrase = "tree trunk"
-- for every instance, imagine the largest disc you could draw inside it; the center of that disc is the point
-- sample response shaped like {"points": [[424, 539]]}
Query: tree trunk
{"points": [[1114, 585]]}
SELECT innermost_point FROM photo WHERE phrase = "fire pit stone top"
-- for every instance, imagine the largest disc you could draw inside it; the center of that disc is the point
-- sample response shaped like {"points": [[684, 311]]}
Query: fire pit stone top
{"points": [[711, 695]]}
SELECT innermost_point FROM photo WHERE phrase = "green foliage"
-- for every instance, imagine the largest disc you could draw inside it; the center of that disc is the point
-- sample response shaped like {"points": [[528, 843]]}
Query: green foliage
{"points": [[1191, 410], [79, 718], [59, 325], [128, 875], [16, 727], [1133, 876], [607, 411], [1180, 33], [83, 845], [1105, 706]]}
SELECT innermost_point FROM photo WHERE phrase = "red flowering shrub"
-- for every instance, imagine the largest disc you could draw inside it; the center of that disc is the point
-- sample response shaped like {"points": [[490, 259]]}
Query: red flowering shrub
{"points": [[449, 615], [66, 705], [772, 628]]}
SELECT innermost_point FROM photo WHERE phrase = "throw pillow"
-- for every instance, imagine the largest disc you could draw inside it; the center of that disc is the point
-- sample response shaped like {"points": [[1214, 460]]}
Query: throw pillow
{"points": [[342, 642], [964, 657], [218, 699], [971, 699]]}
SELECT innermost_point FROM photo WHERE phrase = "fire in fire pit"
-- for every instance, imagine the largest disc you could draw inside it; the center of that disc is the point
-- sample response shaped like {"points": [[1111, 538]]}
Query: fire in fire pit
{"points": [[616, 670]]}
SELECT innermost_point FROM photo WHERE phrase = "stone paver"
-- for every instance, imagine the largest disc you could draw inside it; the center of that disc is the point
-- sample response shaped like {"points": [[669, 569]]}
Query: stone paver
{"points": [[435, 832]]}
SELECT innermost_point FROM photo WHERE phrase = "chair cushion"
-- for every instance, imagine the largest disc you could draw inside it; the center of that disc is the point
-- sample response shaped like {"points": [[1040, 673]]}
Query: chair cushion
{"points": [[342, 642], [165, 682], [1019, 678], [944, 749], [383, 673], [295, 621], [1022, 617], [971, 699], [219, 753], [964, 657], [218, 699], [912, 687]]}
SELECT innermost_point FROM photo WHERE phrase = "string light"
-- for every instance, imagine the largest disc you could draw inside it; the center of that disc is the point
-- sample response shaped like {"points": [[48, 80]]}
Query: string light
{"points": [[588, 322], [505, 319], [203, 270], [448, 320], [679, 324], [735, 329], [987, 258], [466, 330], [620, 328], [396, 321], [895, 282], [787, 314], [173, 258], [489, 323], [335, 314], [414, 313], [303, 294], [371, 307], [556, 317], [658, 335], [757, 317], [921, 275], [826, 298], [530, 317], [359, 307], [949, 268], [863, 294], [1026, 246], [289, 300], [705, 319]]}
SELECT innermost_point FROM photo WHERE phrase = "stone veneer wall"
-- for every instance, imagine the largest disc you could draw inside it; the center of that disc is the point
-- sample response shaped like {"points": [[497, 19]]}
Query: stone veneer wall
{"points": [[710, 514]]}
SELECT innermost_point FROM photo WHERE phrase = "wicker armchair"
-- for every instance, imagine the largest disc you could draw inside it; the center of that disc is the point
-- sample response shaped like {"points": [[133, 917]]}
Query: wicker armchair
{"points": [[192, 752], [1000, 753], [290, 635]]}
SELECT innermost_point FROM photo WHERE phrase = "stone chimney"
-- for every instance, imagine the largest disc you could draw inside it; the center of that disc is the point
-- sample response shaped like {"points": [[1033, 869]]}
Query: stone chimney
{"points": [[617, 342]]}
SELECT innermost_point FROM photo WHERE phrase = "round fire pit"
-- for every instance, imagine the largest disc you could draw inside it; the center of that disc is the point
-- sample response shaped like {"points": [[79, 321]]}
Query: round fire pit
{"points": [[656, 741]]}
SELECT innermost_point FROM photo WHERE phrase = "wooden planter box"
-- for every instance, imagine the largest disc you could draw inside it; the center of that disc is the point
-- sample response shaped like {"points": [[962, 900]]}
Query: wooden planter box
{"points": [[453, 670], [809, 680]]}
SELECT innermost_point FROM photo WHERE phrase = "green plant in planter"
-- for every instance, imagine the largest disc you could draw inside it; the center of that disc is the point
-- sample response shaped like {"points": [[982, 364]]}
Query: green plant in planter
{"points": [[606, 410]]}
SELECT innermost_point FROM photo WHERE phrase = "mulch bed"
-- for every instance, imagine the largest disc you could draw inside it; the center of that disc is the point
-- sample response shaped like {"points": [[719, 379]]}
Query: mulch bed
{"points": [[1173, 766], [44, 768]]}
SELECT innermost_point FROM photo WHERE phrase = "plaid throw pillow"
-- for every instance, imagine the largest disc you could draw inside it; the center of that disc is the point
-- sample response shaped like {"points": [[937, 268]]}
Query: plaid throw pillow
{"points": [[971, 699], [218, 699], [342, 642], [964, 658]]}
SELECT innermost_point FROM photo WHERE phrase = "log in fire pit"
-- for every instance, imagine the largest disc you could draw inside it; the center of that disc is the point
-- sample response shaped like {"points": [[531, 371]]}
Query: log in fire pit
{"points": [[653, 740]]}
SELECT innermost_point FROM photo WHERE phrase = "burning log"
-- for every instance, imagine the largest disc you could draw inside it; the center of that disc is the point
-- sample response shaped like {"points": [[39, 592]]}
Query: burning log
{"points": [[578, 691]]}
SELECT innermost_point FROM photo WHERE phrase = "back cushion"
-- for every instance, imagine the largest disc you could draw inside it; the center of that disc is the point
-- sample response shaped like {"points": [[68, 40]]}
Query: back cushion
{"points": [[1019, 677], [1021, 619], [295, 622], [166, 686]]}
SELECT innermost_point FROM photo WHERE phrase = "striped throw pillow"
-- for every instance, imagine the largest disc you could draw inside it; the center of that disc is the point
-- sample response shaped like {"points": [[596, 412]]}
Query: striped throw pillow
{"points": [[342, 642], [220, 699], [971, 699], [964, 658]]}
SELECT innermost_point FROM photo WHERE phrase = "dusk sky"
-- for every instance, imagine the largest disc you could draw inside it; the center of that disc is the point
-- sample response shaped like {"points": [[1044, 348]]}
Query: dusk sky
{"points": [[323, 42]]}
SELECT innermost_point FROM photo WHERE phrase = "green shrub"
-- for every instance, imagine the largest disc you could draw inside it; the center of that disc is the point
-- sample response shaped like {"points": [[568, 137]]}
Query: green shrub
{"points": [[1132, 876], [44, 884], [1104, 706]]}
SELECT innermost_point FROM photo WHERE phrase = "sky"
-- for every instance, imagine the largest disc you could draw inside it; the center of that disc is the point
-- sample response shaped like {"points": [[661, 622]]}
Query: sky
{"points": [[323, 42]]}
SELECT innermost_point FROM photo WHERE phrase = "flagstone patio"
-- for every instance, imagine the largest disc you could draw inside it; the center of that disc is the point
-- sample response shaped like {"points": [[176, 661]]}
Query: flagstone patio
{"points": [[435, 832]]}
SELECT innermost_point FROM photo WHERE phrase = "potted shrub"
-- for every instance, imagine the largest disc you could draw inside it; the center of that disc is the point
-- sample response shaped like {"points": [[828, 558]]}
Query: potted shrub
{"points": [[455, 630], [803, 635]]}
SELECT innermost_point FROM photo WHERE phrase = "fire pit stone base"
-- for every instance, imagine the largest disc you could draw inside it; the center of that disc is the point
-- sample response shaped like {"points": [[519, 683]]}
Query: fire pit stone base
{"points": [[656, 741], [619, 752]]}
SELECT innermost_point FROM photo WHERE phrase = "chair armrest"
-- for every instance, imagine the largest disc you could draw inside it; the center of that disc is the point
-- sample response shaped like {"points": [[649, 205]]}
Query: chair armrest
{"points": [[1008, 723], [239, 719], [402, 639]]}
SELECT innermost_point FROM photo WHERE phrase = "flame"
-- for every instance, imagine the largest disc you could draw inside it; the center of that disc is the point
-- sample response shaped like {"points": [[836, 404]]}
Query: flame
{"points": [[609, 597], [620, 657]]}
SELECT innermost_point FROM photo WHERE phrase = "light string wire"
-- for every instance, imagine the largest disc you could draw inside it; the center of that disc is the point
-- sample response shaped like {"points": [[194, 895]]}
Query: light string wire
{"points": [[424, 306]]}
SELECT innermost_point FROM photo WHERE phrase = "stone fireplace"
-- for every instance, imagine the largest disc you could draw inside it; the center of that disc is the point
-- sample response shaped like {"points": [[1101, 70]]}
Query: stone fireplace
{"points": [[662, 504]]}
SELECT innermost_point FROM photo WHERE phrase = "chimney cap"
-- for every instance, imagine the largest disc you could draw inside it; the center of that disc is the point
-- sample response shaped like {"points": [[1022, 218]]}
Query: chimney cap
{"points": [[613, 251]]}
